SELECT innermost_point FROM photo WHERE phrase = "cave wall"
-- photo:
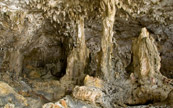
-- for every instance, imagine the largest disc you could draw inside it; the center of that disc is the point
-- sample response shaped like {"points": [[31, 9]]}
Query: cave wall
{"points": [[54, 44]]}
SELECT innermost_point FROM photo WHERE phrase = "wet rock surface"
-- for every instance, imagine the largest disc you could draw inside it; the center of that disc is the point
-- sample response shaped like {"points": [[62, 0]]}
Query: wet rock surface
{"points": [[86, 54]]}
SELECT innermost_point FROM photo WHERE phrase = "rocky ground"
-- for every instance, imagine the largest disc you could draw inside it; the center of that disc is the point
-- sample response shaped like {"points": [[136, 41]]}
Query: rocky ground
{"points": [[86, 53]]}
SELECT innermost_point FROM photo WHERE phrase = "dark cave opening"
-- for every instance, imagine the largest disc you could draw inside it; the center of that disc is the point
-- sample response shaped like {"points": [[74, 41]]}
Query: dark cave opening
{"points": [[41, 64]]}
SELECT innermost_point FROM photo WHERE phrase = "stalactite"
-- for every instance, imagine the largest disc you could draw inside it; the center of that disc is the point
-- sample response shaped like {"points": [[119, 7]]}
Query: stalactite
{"points": [[108, 8], [76, 61]]}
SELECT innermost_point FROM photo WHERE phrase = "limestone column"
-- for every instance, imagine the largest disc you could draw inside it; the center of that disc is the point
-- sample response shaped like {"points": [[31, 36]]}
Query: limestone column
{"points": [[76, 61], [108, 17]]}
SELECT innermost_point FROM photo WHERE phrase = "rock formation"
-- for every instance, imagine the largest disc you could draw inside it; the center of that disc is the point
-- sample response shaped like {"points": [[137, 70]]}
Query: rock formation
{"points": [[77, 60], [151, 85], [108, 17], [86, 53]]}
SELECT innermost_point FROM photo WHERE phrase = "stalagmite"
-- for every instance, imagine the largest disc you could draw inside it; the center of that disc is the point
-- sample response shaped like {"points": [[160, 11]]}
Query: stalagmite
{"points": [[148, 83], [108, 7], [146, 56], [76, 61]]}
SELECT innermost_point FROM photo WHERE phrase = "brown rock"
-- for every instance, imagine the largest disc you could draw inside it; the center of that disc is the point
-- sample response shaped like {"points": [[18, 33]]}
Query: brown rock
{"points": [[88, 94]]}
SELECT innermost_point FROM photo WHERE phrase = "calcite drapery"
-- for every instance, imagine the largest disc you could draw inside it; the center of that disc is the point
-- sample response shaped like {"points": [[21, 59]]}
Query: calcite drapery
{"points": [[108, 8]]}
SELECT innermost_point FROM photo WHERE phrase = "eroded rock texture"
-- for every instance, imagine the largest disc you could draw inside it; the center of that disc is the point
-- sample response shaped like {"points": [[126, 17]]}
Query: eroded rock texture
{"points": [[86, 53]]}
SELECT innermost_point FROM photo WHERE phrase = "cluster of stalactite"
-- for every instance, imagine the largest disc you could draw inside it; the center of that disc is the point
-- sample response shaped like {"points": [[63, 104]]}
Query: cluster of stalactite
{"points": [[146, 61], [77, 59]]}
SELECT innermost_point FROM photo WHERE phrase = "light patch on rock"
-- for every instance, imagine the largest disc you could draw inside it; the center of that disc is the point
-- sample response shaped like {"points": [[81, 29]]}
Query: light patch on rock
{"points": [[9, 105], [93, 82], [90, 94]]}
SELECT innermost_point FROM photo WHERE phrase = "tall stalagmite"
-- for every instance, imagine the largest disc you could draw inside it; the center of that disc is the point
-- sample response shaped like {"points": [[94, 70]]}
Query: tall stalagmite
{"points": [[148, 83], [77, 59]]}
